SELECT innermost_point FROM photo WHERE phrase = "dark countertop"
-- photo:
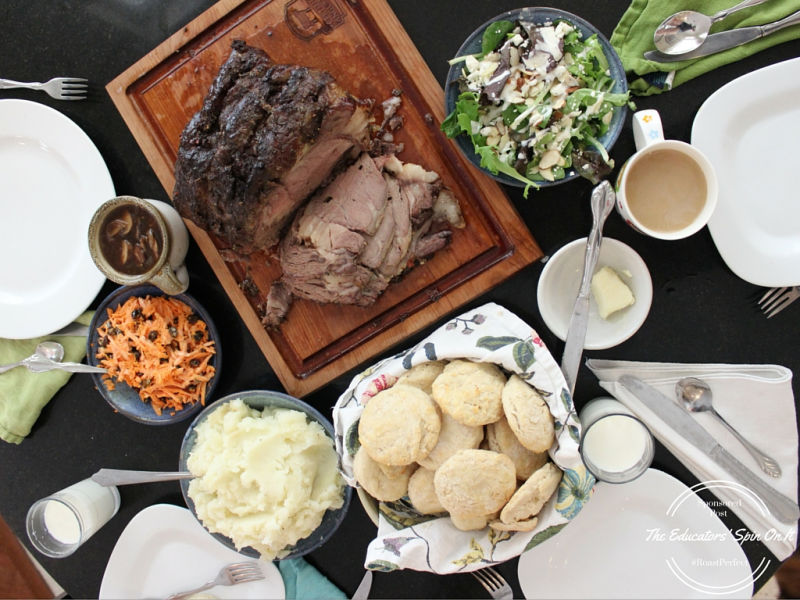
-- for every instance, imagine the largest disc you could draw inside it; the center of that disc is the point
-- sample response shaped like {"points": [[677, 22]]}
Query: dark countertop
{"points": [[701, 311]]}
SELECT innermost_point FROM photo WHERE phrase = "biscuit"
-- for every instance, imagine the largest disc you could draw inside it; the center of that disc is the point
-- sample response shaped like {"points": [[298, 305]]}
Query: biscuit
{"points": [[393, 472], [454, 436], [422, 494], [500, 438], [470, 392], [528, 415], [532, 495], [475, 483], [399, 425], [369, 475], [422, 375], [468, 523], [528, 525]]}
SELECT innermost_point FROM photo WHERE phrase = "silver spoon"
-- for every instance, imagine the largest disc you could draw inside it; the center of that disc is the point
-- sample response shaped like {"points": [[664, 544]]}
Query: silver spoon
{"points": [[687, 30], [696, 397], [48, 356]]}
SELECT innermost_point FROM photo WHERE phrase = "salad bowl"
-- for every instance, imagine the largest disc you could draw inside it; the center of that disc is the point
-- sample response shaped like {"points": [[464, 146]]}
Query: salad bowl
{"points": [[615, 80]]}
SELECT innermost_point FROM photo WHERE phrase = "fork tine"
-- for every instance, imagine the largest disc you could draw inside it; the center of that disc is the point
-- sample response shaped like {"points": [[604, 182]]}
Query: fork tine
{"points": [[782, 303], [74, 86], [771, 294], [775, 300], [481, 577]]}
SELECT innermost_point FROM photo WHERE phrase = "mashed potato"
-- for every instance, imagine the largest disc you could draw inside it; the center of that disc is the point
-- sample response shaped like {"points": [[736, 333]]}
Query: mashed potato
{"points": [[264, 479]]}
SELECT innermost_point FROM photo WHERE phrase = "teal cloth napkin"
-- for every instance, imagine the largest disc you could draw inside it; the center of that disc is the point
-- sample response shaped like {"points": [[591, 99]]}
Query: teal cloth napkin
{"points": [[23, 394], [634, 35], [303, 582]]}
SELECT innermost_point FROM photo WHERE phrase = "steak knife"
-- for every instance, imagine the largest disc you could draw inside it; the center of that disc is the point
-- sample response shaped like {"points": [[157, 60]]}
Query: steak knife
{"points": [[603, 199], [717, 42], [784, 508]]}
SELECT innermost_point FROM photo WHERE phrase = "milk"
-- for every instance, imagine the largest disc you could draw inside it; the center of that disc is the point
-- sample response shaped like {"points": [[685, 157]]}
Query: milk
{"points": [[615, 446]]}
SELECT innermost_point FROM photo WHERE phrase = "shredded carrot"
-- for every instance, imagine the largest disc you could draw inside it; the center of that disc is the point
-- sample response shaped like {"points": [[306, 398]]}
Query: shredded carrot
{"points": [[159, 347]]}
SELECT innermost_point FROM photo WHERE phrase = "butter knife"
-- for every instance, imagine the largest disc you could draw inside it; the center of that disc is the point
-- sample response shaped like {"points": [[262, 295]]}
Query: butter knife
{"points": [[784, 508], [603, 199], [362, 592], [717, 42]]}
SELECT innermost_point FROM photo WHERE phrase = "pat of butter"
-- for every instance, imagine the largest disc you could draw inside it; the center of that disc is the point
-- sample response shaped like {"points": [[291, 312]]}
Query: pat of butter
{"points": [[610, 292]]}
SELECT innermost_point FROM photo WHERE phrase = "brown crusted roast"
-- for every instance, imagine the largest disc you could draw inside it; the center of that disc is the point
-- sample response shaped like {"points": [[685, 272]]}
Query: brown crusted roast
{"points": [[278, 155], [266, 137]]}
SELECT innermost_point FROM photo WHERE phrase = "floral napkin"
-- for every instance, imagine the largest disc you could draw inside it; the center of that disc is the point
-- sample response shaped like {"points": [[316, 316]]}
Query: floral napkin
{"points": [[23, 394], [757, 400], [407, 540], [634, 35]]}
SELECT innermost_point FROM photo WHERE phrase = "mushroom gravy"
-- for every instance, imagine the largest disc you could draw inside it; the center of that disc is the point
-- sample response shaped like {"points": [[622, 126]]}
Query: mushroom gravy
{"points": [[130, 239]]}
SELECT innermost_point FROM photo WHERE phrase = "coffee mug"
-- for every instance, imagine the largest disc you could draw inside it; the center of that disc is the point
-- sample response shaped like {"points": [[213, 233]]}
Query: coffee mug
{"points": [[135, 241], [668, 188]]}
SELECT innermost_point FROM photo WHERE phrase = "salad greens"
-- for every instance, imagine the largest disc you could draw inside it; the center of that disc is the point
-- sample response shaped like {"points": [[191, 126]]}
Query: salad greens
{"points": [[535, 100]]}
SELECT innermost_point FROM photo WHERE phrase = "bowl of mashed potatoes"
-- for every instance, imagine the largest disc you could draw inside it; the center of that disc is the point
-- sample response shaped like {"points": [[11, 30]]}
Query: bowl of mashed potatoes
{"points": [[266, 479]]}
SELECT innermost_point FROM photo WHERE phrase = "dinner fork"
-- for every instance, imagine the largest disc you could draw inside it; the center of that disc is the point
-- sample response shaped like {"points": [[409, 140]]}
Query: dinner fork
{"points": [[494, 583], [60, 88], [232, 574], [776, 299]]}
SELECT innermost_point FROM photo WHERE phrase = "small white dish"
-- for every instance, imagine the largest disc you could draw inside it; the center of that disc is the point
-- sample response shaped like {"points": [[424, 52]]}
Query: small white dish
{"points": [[164, 550], [561, 279]]}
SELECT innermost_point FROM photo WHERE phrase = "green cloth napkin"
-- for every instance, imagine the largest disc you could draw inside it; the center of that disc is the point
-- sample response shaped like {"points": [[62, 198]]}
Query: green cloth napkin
{"points": [[634, 35], [303, 582], [23, 394]]}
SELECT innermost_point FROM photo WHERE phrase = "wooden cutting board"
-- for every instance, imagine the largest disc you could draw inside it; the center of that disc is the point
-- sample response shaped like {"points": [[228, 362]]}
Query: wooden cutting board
{"points": [[363, 45]]}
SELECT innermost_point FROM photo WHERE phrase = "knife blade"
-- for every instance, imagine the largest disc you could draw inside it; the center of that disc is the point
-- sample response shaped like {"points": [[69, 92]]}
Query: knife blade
{"points": [[362, 592], [603, 199], [724, 40], [783, 508]]}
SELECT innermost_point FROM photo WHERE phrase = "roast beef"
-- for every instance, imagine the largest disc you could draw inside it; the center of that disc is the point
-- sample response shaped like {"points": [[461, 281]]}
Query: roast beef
{"points": [[371, 223], [265, 138]]}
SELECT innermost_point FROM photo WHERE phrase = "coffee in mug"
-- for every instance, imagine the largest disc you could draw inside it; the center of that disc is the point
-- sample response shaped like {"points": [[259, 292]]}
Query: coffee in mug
{"points": [[668, 189]]}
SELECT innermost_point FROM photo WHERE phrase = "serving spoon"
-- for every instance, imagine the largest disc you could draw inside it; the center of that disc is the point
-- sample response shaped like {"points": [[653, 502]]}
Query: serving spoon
{"points": [[48, 356], [687, 30], [109, 477], [696, 396]]}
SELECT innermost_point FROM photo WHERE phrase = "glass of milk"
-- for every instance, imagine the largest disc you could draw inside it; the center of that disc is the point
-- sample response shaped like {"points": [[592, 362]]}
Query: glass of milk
{"points": [[58, 524], [616, 447]]}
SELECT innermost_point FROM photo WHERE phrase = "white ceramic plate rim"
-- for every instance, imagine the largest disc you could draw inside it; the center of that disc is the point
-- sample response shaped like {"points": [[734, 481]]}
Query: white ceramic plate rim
{"points": [[599, 555], [556, 294], [748, 130], [164, 550], [62, 281]]}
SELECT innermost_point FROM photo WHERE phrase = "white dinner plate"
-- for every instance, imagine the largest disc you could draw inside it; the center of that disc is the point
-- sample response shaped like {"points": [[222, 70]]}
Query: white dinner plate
{"points": [[650, 538], [53, 179], [164, 550], [749, 130]]}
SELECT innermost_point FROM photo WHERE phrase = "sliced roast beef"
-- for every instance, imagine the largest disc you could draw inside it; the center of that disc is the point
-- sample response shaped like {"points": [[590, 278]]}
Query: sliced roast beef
{"points": [[365, 228], [265, 138]]}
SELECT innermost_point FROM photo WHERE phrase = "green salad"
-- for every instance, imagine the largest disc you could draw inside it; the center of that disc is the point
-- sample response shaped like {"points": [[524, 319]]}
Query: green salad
{"points": [[536, 101]]}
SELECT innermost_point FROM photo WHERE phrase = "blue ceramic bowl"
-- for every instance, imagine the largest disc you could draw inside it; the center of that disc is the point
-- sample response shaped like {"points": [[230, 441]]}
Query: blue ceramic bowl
{"points": [[538, 15], [261, 399], [124, 398]]}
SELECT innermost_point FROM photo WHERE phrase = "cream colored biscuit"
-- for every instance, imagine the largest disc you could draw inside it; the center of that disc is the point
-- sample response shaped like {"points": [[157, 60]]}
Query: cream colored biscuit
{"points": [[399, 425], [422, 493], [528, 525], [422, 375], [532, 495], [453, 437], [500, 438], [393, 472], [369, 475], [470, 392], [475, 482], [528, 415], [468, 522]]}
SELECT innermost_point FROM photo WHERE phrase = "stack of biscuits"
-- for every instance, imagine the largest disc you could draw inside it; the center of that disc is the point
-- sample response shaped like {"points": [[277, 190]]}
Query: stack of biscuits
{"points": [[460, 438]]}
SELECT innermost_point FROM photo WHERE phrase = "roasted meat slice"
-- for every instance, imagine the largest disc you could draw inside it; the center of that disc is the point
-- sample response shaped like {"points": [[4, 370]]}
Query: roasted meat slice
{"points": [[265, 138], [365, 228]]}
